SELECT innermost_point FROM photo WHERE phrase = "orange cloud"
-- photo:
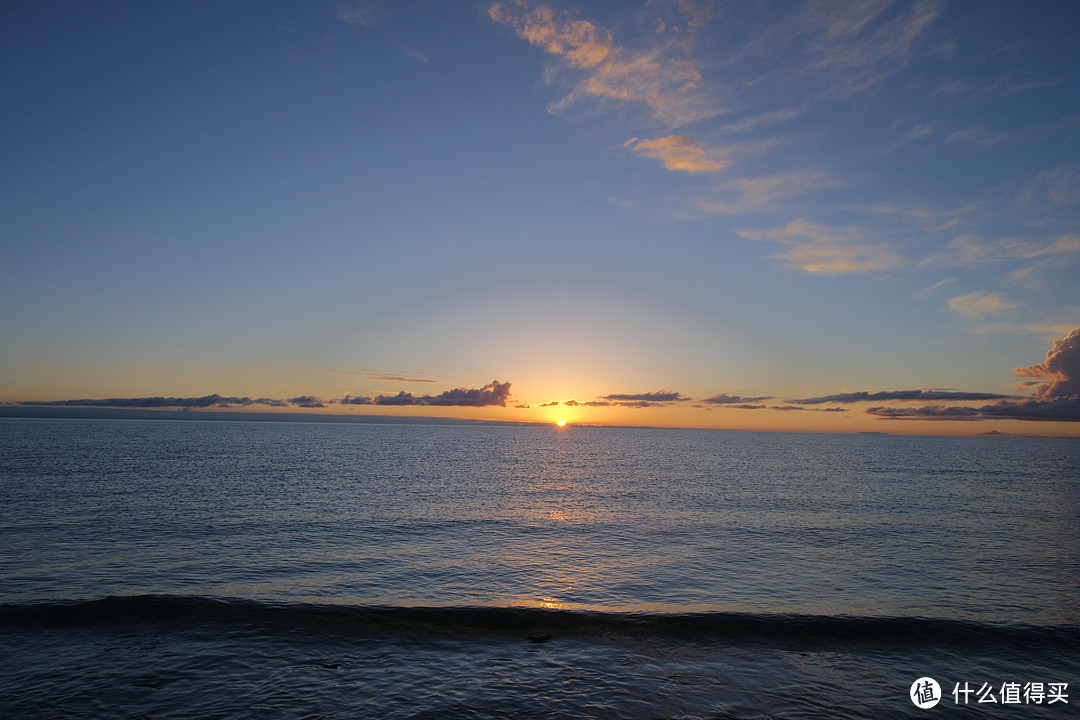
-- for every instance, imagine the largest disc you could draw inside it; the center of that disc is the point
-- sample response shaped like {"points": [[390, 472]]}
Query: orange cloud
{"points": [[677, 152], [979, 304], [668, 85], [822, 250]]}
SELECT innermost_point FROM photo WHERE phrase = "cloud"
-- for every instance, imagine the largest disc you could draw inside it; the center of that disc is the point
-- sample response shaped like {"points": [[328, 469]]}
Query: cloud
{"points": [[550, 404], [677, 152], [860, 45], [632, 400], [971, 250], [976, 135], [760, 194], [990, 90], [904, 395], [396, 378], [930, 412], [768, 118], [928, 291], [1056, 398], [838, 259], [1060, 372], [929, 220], [1059, 410], [916, 132], [683, 16], [979, 304], [1054, 188], [658, 396], [307, 401], [591, 403], [725, 399], [417, 55], [494, 393], [822, 250], [357, 14], [666, 84], [206, 401]]}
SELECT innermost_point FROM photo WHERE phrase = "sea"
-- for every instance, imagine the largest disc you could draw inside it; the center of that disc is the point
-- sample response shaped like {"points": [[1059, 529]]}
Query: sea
{"points": [[232, 569]]}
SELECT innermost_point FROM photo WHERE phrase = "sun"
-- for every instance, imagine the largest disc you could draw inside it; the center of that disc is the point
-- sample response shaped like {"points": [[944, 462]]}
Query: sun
{"points": [[560, 422]]}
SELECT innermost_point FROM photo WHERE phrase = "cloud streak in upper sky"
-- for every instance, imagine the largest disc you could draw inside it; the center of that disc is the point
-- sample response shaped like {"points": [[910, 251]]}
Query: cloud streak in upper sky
{"points": [[654, 76]]}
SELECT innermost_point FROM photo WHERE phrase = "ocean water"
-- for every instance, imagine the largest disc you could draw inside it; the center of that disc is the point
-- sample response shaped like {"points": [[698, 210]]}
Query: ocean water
{"points": [[185, 569]]}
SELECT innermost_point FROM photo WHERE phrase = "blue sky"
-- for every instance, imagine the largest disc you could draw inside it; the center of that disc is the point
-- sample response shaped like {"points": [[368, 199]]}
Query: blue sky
{"points": [[755, 200]]}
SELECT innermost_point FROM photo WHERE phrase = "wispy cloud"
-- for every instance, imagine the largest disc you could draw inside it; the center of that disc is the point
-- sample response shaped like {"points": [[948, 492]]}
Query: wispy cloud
{"points": [[1054, 188], [384, 377], [417, 55], [911, 134], [357, 13], [977, 136], [761, 194], [970, 249], [991, 90], [678, 152], [766, 118], [928, 219], [862, 44], [655, 77], [979, 304], [823, 250], [928, 291]]}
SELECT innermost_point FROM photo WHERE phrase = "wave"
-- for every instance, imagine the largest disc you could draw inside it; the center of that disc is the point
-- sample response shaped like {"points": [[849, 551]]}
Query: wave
{"points": [[530, 624]]}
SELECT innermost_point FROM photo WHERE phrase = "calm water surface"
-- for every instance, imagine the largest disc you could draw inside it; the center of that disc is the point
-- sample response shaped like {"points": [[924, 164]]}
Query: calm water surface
{"points": [[180, 569]]}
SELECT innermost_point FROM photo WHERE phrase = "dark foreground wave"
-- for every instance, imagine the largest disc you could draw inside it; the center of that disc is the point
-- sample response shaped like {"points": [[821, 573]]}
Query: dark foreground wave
{"points": [[533, 624]]}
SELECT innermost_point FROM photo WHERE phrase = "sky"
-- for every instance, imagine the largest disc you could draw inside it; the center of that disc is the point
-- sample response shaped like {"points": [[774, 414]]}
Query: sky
{"points": [[815, 216]]}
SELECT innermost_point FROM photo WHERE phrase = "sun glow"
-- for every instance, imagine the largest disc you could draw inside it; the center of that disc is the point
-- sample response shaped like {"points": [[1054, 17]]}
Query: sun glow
{"points": [[560, 422]]}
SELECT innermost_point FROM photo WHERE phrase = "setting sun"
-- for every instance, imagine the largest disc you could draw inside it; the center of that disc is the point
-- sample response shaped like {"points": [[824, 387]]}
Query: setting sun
{"points": [[560, 422]]}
